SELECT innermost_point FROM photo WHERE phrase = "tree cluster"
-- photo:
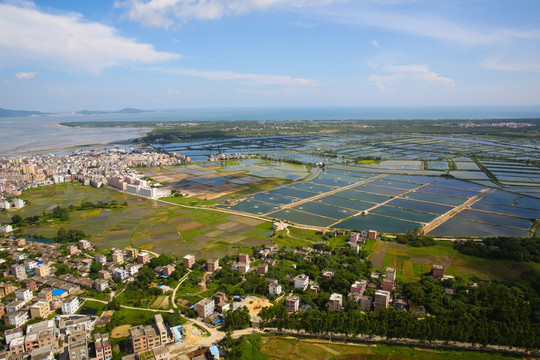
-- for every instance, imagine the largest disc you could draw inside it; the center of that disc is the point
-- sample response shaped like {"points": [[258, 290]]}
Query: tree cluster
{"points": [[67, 236], [415, 238], [509, 248]]}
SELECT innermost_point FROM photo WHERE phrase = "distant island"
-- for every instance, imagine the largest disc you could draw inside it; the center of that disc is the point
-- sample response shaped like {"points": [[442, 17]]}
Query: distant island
{"points": [[13, 113], [18, 113]]}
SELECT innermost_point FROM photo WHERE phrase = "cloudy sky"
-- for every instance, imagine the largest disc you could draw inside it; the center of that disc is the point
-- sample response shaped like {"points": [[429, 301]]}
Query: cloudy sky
{"points": [[65, 55]]}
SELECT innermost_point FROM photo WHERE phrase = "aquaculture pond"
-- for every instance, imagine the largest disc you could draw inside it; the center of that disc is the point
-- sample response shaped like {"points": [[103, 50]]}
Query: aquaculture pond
{"points": [[381, 223], [459, 227]]}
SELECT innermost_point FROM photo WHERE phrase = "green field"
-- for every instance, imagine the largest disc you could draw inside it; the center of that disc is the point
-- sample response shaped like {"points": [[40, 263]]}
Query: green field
{"points": [[290, 348], [411, 262], [144, 223]]}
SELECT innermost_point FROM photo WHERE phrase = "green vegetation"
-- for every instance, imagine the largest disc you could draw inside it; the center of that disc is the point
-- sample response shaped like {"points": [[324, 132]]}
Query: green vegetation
{"points": [[415, 238], [237, 319], [71, 235], [188, 131], [492, 313], [287, 348], [509, 248]]}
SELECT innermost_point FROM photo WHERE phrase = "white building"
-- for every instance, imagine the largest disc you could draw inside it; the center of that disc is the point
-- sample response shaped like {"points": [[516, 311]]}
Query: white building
{"points": [[121, 274], [18, 203], [70, 305], [6, 229], [30, 264], [205, 307], [301, 281], [335, 302], [24, 294], [274, 288], [17, 318]]}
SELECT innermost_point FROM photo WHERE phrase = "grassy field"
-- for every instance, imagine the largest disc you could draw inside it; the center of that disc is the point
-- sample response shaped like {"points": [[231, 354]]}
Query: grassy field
{"points": [[411, 263], [144, 223], [289, 348]]}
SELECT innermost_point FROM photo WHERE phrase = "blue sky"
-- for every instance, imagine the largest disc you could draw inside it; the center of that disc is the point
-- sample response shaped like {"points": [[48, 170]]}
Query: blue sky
{"points": [[161, 54]]}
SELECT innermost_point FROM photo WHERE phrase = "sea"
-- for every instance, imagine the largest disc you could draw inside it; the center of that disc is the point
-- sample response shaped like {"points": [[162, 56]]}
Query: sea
{"points": [[31, 134]]}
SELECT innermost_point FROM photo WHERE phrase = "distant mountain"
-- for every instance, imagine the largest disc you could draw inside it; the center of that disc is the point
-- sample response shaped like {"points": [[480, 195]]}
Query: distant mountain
{"points": [[12, 113], [123, 111]]}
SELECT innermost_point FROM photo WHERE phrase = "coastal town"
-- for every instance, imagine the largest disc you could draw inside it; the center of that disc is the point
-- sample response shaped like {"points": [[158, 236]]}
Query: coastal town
{"points": [[114, 167]]}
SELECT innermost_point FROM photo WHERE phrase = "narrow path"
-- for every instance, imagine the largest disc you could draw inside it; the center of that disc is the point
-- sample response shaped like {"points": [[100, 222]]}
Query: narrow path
{"points": [[173, 296]]}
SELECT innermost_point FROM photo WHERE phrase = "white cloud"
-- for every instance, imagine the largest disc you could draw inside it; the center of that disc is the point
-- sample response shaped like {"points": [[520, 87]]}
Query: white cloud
{"points": [[247, 78], [174, 92], [498, 64], [67, 42], [25, 75], [375, 43], [164, 13], [413, 72]]}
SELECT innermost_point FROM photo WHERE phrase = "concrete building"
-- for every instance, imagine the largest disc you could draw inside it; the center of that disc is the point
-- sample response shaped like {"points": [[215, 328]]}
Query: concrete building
{"points": [[104, 274], [143, 258], [262, 269], [144, 338], [42, 270], [16, 346], [243, 258], [70, 305], [372, 234], [100, 285], [100, 259], [15, 306], [388, 285], [292, 303], [131, 253], [366, 303], [40, 339], [103, 346], [438, 271], [121, 274], [168, 270], [73, 250], [301, 281], [242, 267], [78, 346], [118, 258], [45, 294], [29, 284], [213, 264], [161, 353], [85, 245], [382, 299], [24, 294], [30, 264], [335, 303], [18, 271], [391, 273], [161, 329], [40, 309], [274, 288], [188, 260], [205, 307], [358, 287], [16, 319], [5, 289]]}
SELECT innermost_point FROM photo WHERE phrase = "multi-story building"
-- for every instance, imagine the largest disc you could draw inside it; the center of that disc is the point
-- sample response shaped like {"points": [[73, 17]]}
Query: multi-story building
{"points": [[168, 270], [103, 346], [131, 253], [78, 346], [118, 258], [301, 281], [5, 289], [292, 303], [144, 338], [188, 261], [121, 274], [242, 267], [42, 270], [100, 259], [205, 307], [382, 299], [40, 309], [15, 306], [16, 346], [161, 353], [24, 294], [104, 274], [100, 285], [388, 284], [243, 258], [366, 303], [274, 288], [73, 250], [18, 271], [45, 294], [40, 339], [29, 284], [213, 264], [391, 273], [438, 271], [358, 287], [30, 264], [70, 305], [372, 234], [262, 269], [161, 329], [85, 245], [143, 258], [16, 319], [335, 302]]}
